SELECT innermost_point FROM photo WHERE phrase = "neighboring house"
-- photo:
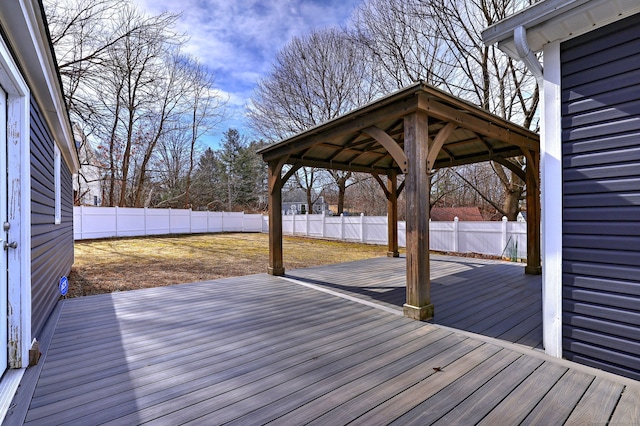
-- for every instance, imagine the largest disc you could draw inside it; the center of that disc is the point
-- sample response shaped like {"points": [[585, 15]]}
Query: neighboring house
{"points": [[295, 202], [448, 214], [37, 159], [590, 174], [87, 189]]}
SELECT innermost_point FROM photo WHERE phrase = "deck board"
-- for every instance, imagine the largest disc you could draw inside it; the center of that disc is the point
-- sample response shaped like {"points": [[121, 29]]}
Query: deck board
{"points": [[557, 405], [258, 349], [143, 370], [485, 398], [431, 409], [276, 378], [517, 405], [597, 403], [628, 409], [378, 392], [436, 381], [304, 405]]}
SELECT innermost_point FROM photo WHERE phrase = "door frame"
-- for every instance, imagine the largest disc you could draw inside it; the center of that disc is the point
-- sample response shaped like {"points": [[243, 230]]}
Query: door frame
{"points": [[19, 208]]}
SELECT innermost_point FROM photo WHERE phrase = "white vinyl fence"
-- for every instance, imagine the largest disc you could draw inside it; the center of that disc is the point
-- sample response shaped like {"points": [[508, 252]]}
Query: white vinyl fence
{"points": [[108, 222], [508, 239]]}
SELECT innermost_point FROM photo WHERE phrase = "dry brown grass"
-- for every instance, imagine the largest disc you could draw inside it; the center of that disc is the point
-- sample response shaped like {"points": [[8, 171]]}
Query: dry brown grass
{"points": [[105, 266]]}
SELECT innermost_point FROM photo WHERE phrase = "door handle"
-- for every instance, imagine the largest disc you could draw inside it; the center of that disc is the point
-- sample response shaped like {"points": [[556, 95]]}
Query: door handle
{"points": [[12, 244]]}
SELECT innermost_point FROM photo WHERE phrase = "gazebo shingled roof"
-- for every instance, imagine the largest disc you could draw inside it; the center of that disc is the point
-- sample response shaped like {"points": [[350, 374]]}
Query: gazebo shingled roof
{"points": [[411, 132]]}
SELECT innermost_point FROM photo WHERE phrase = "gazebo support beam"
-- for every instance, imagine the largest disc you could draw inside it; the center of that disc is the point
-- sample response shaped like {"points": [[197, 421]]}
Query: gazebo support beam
{"points": [[276, 264], [391, 192], [416, 145], [392, 215], [533, 213]]}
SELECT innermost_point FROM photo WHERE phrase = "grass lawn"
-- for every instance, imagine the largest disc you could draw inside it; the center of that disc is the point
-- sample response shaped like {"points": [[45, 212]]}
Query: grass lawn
{"points": [[105, 266]]}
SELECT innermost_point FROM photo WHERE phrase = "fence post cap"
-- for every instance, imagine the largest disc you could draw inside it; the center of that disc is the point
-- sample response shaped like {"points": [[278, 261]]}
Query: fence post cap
{"points": [[455, 219], [504, 219]]}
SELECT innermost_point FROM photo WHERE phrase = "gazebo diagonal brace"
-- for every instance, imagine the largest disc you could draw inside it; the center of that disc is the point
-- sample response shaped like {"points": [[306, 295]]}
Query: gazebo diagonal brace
{"points": [[390, 145]]}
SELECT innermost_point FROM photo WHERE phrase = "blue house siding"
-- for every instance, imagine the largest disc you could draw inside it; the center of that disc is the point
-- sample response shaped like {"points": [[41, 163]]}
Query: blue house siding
{"points": [[51, 244], [601, 197]]}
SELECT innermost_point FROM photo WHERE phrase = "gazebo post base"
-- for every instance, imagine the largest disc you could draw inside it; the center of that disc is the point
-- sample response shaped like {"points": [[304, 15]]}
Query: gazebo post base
{"points": [[533, 270], [275, 271], [421, 313], [393, 254]]}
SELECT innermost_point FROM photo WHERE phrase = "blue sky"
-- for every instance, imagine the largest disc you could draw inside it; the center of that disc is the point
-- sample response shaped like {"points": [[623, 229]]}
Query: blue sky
{"points": [[238, 39]]}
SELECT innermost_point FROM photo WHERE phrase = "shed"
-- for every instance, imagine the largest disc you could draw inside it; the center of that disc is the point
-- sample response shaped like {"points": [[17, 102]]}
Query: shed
{"points": [[590, 165], [411, 132], [37, 158]]}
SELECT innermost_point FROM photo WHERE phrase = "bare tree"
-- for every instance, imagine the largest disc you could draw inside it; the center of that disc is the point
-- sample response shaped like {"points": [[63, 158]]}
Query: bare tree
{"points": [[205, 109], [438, 42], [171, 163], [186, 107], [128, 88], [402, 42], [84, 33], [314, 79], [368, 197], [486, 77], [344, 180], [138, 61]]}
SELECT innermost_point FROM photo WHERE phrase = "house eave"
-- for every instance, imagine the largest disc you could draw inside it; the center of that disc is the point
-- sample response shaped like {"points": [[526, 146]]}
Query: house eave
{"points": [[25, 28], [557, 20]]}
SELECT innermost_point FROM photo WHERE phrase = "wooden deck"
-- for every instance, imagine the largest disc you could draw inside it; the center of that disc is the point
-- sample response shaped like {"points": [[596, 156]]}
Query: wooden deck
{"points": [[258, 349], [496, 299]]}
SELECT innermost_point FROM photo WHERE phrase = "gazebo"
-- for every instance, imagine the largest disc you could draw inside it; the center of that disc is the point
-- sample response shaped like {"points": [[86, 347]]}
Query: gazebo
{"points": [[412, 132]]}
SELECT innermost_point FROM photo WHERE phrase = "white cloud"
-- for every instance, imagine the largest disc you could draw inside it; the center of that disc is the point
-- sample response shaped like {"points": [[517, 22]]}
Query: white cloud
{"points": [[238, 39]]}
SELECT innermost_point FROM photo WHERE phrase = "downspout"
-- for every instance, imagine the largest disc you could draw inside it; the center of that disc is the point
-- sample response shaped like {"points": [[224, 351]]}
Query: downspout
{"points": [[526, 55], [551, 173]]}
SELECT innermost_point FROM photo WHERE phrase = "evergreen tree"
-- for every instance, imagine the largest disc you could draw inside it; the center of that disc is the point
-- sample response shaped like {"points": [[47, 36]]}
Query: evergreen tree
{"points": [[207, 182], [232, 178]]}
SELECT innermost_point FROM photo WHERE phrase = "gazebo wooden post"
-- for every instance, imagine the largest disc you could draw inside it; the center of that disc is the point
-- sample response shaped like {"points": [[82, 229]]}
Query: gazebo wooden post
{"points": [[416, 146], [533, 214], [392, 215], [276, 265]]}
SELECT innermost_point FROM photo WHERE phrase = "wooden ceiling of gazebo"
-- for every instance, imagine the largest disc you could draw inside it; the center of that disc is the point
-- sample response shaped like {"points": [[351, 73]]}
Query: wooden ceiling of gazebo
{"points": [[410, 132]]}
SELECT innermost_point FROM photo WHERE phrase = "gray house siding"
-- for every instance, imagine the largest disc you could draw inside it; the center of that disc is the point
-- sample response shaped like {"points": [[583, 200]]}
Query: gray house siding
{"points": [[51, 244], [601, 197]]}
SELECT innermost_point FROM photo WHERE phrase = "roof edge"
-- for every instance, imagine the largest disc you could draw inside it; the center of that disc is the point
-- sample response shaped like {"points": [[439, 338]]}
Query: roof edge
{"points": [[549, 21], [531, 16]]}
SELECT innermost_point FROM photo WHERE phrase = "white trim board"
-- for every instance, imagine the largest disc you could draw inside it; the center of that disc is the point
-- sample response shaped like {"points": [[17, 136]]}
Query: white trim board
{"points": [[19, 215], [551, 201]]}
